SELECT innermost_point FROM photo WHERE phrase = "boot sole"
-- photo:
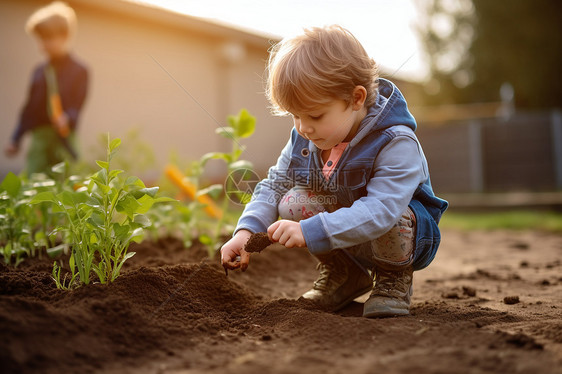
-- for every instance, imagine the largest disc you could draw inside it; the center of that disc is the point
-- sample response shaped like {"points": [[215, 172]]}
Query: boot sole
{"points": [[386, 312]]}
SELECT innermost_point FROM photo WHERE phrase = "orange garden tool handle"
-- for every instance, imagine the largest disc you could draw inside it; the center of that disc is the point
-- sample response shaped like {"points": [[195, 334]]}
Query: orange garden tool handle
{"points": [[56, 114], [180, 180], [54, 109]]}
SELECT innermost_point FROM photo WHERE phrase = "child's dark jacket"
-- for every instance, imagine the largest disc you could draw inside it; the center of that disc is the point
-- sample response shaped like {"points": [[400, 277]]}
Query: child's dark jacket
{"points": [[72, 79]]}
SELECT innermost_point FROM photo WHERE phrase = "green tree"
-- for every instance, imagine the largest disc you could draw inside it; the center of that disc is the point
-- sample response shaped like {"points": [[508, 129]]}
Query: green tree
{"points": [[474, 46]]}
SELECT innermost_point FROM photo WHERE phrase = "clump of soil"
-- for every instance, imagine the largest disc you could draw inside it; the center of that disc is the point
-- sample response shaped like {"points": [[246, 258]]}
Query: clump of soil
{"points": [[469, 291], [257, 242], [511, 300]]}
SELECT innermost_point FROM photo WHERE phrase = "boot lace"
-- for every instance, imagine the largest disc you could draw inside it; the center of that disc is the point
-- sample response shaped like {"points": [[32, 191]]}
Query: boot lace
{"points": [[323, 281], [388, 283]]}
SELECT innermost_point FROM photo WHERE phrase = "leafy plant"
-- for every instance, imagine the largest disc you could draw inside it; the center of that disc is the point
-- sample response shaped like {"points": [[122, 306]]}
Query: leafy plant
{"points": [[15, 229], [240, 126], [136, 155], [26, 229], [103, 216], [174, 220]]}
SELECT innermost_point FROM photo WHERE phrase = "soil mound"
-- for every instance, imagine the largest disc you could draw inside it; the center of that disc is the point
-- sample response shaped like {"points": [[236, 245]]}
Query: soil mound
{"points": [[144, 311], [173, 311]]}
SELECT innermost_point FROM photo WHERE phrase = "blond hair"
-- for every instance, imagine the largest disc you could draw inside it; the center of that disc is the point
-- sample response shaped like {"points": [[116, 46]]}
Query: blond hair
{"points": [[56, 18], [317, 67]]}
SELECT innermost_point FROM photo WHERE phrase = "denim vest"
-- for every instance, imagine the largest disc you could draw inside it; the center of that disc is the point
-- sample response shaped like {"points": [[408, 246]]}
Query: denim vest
{"points": [[349, 183]]}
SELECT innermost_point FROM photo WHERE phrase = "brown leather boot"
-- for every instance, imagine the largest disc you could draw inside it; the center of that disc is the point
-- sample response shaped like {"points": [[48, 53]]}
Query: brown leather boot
{"points": [[391, 295], [341, 280]]}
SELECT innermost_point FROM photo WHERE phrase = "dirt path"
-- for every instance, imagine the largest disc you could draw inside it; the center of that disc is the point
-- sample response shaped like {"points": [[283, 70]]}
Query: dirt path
{"points": [[171, 313]]}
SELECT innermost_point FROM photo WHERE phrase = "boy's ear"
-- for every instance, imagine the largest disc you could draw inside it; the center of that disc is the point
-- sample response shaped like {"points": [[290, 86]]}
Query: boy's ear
{"points": [[359, 96]]}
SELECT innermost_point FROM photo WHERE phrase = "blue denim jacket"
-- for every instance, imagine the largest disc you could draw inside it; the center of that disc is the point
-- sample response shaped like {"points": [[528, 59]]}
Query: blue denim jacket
{"points": [[300, 164]]}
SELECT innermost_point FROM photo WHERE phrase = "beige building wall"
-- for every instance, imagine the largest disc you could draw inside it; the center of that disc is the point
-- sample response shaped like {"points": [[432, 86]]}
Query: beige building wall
{"points": [[123, 45]]}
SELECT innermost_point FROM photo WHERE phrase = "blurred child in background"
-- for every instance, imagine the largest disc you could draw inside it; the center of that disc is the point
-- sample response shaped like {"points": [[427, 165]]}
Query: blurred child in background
{"points": [[57, 92]]}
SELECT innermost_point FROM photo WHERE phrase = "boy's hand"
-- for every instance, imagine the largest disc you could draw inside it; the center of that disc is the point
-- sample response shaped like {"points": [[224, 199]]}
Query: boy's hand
{"points": [[287, 233], [62, 124], [11, 150], [235, 247]]}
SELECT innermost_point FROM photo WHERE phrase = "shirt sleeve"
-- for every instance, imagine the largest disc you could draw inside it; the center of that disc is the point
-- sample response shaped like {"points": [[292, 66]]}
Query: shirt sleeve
{"points": [[399, 169], [262, 210], [29, 115]]}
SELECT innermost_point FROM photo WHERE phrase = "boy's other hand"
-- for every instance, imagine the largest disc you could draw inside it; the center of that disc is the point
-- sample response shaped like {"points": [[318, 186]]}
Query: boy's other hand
{"points": [[235, 247], [287, 233], [11, 150]]}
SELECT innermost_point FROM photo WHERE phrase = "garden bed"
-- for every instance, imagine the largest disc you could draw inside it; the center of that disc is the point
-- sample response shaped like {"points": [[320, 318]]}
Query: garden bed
{"points": [[173, 311]]}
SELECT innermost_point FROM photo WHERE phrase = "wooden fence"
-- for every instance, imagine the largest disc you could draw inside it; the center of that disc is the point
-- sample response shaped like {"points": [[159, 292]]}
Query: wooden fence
{"points": [[522, 153]]}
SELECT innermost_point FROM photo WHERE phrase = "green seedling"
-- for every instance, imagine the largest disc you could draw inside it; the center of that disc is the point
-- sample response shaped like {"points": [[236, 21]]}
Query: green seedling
{"points": [[103, 217], [174, 220], [15, 224], [241, 126]]}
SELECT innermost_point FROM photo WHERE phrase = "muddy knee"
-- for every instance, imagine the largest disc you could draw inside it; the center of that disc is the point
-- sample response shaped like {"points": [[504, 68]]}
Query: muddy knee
{"points": [[300, 203], [395, 249]]}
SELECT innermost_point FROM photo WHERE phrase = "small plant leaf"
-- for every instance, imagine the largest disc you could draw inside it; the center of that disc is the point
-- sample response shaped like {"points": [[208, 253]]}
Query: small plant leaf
{"points": [[232, 121], [66, 198], [56, 251], [134, 182], [226, 131], [96, 219], [103, 164], [137, 235], [148, 191], [114, 144], [100, 177], [146, 203], [128, 205], [128, 256], [93, 238], [11, 184], [59, 168], [142, 220], [44, 196], [213, 190], [246, 124], [121, 232], [243, 197], [114, 173], [205, 239], [215, 155]]}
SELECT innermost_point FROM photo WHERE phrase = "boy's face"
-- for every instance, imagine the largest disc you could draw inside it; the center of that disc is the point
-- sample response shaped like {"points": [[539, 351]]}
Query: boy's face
{"points": [[54, 46], [328, 125]]}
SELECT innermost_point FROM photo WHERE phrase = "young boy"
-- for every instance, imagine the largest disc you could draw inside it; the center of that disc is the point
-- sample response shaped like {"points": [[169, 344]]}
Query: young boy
{"points": [[352, 184], [57, 92]]}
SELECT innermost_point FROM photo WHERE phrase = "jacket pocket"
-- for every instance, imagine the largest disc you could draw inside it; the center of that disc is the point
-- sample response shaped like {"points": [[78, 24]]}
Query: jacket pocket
{"points": [[352, 180]]}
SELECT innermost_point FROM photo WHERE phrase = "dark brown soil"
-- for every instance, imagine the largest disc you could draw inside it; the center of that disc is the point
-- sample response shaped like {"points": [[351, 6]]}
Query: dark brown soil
{"points": [[173, 311], [257, 242], [511, 300]]}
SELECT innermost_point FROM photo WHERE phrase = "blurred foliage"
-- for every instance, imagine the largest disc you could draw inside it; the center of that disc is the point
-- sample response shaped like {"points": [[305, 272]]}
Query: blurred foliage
{"points": [[189, 220], [136, 155], [474, 46], [513, 220]]}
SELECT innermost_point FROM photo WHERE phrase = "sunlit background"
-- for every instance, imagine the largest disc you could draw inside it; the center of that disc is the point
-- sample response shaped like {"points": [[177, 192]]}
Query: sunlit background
{"points": [[387, 29], [482, 80]]}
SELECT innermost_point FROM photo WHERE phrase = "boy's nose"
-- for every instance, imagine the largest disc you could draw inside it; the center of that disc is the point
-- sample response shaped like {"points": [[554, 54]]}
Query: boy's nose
{"points": [[305, 129]]}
